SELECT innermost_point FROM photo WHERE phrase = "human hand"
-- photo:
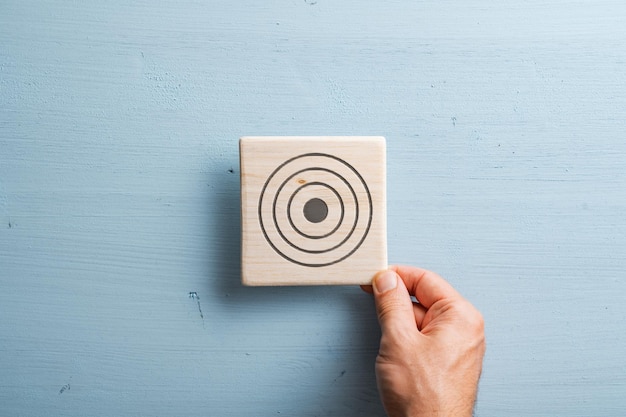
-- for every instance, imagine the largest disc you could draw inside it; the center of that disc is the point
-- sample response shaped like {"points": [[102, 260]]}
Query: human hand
{"points": [[431, 352]]}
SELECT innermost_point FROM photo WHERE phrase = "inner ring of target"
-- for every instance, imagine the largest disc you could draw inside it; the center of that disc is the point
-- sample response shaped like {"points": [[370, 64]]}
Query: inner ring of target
{"points": [[356, 207], [320, 217]]}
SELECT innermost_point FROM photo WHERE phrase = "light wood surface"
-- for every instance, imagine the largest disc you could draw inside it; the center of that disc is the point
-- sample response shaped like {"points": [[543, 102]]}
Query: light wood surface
{"points": [[313, 210], [120, 238]]}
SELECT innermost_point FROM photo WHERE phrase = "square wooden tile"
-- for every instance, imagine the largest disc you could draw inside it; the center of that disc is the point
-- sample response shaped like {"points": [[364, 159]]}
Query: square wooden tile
{"points": [[313, 210]]}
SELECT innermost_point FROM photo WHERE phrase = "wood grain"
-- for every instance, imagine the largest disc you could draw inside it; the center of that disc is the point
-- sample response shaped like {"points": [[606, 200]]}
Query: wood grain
{"points": [[119, 197], [345, 243]]}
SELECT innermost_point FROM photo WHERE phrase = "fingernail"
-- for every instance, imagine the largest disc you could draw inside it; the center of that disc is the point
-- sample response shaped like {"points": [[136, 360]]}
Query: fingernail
{"points": [[386, 281]]}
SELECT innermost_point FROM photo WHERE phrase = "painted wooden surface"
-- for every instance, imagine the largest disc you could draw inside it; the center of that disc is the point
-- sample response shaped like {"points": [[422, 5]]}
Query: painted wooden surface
{"points": [[119, 198]]}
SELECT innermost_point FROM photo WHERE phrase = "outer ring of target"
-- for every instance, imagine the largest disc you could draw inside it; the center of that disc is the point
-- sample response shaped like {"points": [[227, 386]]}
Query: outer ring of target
{"points": [[320, 264]]}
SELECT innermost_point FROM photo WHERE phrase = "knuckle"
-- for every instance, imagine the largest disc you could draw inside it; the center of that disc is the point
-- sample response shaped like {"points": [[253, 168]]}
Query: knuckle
{"points": [[472, 318], [388, 306], [477, 320]]}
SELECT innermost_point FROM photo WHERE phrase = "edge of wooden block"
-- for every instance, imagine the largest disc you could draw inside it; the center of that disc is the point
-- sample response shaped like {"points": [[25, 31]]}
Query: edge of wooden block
{"points": [[244, 139]]}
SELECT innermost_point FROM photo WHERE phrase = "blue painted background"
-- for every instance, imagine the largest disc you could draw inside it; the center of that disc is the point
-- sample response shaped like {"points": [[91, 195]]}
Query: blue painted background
{"points": [[119, 196]]}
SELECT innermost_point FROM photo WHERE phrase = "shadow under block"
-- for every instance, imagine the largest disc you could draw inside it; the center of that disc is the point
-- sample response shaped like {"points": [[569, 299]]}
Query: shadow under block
{"points": [[313, 210]]}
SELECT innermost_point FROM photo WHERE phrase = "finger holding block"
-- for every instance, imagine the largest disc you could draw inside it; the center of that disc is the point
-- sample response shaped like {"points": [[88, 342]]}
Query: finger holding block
{"points": [[313, 209]]}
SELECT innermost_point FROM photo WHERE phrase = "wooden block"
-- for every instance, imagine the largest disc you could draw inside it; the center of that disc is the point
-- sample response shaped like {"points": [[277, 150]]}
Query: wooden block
{"points": [[313, 210]]}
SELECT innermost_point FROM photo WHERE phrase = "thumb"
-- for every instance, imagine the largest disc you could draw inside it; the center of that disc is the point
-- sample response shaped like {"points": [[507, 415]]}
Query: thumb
{"points": [[393, 304]]}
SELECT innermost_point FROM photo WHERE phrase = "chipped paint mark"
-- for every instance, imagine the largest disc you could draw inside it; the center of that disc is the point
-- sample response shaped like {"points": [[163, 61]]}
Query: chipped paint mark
{"points": [[64, 388], [340, 375], [194, 296]]}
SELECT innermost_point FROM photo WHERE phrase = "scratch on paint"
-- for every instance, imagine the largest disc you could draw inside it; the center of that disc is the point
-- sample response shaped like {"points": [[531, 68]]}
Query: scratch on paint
{"points": [[340, 375], [194, 296]]}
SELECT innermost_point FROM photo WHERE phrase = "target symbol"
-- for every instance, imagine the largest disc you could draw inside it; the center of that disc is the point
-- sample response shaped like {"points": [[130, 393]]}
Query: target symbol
{"points": [[315, 210]]}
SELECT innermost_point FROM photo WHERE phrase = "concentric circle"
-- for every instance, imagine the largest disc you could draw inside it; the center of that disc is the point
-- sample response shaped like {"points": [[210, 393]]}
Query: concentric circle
{"points": [[315, 210], [308, 226]]}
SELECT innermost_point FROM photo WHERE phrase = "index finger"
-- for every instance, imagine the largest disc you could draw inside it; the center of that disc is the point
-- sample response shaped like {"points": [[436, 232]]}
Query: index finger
{"points": [[426, 286]]}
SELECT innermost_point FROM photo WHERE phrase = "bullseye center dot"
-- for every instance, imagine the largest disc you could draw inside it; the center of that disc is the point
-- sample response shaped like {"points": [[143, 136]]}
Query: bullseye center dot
{"points": [[315, 210]]}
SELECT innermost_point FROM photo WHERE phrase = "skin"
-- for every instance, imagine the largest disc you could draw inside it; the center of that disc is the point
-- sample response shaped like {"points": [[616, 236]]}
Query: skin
{"points": [[431, 352]]}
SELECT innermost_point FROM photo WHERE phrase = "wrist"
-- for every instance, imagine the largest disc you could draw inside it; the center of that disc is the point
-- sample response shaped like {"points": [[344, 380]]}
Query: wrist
{"points": [[461, 410]]}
